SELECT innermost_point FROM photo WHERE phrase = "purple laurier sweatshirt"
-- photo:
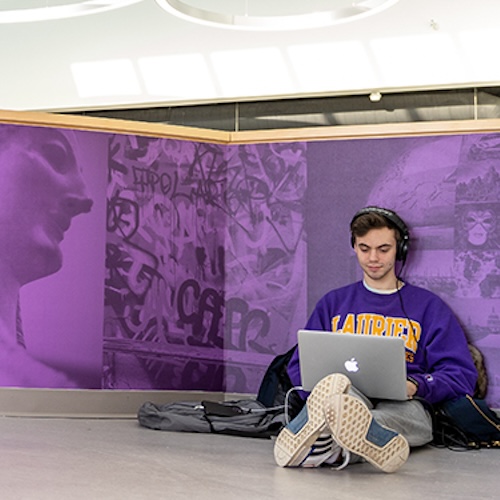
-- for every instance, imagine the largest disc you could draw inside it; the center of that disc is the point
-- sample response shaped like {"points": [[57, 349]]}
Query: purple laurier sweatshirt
{"points": [[437, 355]]}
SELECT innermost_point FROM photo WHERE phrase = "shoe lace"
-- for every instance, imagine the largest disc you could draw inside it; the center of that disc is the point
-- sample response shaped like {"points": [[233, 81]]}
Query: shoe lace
{"points": [[346, 456]]}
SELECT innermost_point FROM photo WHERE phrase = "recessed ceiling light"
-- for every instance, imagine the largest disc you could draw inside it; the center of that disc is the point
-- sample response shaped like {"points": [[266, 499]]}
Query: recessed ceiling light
{"points": [[25, 11], [254, 14]]}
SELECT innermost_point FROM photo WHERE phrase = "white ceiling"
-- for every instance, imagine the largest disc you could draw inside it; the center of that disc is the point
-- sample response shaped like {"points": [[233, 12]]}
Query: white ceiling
{"points": [[141, 54]]}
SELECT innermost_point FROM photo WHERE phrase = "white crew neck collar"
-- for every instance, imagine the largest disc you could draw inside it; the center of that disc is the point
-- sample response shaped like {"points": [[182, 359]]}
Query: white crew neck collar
{"points": [[383, 292]]}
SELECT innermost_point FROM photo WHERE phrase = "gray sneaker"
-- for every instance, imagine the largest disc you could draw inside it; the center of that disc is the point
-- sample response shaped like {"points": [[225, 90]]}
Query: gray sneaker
{"points": [[354, 429], [297, 440]]}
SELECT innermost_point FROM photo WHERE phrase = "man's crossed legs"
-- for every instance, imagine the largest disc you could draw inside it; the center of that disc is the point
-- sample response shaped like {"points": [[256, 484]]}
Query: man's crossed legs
{"points": [[333, 425]]}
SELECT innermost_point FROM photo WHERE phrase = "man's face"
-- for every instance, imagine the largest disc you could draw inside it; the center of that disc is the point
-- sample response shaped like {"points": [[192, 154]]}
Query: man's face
{"points": [[41, 190], [376, 253]]}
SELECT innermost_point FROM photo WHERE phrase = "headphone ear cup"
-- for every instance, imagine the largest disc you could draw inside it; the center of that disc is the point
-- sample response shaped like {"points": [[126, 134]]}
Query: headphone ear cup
{"points": [[402, 250]]}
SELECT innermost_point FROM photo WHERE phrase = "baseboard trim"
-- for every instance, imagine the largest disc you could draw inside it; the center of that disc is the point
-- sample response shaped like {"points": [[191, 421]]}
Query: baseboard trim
{"points": [[64, 403]]}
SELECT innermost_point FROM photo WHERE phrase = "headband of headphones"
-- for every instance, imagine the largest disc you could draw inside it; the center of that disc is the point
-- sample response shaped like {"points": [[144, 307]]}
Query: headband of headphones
{"points": [[396, 221]]}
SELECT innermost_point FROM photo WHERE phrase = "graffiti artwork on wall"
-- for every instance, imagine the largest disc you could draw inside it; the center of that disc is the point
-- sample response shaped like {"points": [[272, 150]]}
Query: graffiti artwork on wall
{"points": [[212, 255], [185, 307], [265, 254]]}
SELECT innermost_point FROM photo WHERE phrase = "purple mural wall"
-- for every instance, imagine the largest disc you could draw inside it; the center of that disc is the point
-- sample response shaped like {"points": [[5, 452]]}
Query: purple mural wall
{"points": [[143, 263], [447, 189], [52, 257], [204, 261]]}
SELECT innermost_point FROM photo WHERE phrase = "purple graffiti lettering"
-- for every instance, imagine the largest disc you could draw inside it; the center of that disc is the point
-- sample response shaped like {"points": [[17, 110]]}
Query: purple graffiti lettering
{"points": [[189, 287], [211, 192], [240, 319], [122, 216], [206, 308], [151, 181]]}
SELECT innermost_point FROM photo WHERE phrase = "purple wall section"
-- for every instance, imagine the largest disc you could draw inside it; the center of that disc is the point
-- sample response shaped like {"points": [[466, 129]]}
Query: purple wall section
{"points": [[265, 257], [52, 256], [205, 262], [194, 264], [447, 189]]}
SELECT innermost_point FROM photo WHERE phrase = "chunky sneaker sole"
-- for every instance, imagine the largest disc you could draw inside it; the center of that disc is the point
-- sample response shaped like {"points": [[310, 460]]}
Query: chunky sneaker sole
{"points": [[353, 427], [294, 443]]}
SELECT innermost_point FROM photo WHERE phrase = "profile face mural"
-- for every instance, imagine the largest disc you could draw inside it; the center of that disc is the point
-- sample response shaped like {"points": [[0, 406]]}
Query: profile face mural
{"points": [[133, 262], [42, 188]]}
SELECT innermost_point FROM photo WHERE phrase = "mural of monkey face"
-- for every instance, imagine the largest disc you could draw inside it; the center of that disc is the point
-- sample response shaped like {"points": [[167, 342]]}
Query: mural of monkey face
{"points": [[478, 226]]}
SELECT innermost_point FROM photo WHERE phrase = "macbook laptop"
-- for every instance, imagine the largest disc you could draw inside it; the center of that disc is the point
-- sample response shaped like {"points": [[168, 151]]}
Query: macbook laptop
{"points": [[375, 365]]}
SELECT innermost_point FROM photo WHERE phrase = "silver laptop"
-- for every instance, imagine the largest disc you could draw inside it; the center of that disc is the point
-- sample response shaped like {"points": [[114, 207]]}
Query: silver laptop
{"points": [[375, 365]]}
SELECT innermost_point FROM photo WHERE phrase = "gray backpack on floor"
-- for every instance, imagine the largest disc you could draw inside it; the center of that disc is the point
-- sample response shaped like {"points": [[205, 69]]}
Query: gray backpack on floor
{"points": [[262, 417], [246, 417]]}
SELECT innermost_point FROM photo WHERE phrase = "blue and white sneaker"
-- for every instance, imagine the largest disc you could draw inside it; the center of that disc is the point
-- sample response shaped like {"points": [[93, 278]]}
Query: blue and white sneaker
{"points": [[353, 427], [306, 440], [323, 450]]}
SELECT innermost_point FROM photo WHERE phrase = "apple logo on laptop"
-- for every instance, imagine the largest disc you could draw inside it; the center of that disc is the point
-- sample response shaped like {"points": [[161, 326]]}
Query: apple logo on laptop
{"points": [[351, 365]]}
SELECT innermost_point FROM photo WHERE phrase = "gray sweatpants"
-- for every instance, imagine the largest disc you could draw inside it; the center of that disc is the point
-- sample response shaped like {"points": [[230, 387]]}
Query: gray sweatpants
{"points": [[408, 418]]}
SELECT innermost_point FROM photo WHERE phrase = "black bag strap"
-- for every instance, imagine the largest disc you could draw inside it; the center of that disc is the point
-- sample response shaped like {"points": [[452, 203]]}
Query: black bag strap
{"points": [[275, 379], [466, 422]]}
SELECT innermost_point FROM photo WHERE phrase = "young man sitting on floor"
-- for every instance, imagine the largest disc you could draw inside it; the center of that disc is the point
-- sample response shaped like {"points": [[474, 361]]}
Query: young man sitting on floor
{"points": [[338, 424]]}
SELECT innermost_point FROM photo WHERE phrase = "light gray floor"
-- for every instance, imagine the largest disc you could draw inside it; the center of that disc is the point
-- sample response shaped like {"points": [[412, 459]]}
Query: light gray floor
{"points": [[72, 459]]}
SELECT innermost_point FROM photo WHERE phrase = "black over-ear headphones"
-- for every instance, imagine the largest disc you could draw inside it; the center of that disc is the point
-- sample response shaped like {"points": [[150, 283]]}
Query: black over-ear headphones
{"points": [[394, 219]]}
